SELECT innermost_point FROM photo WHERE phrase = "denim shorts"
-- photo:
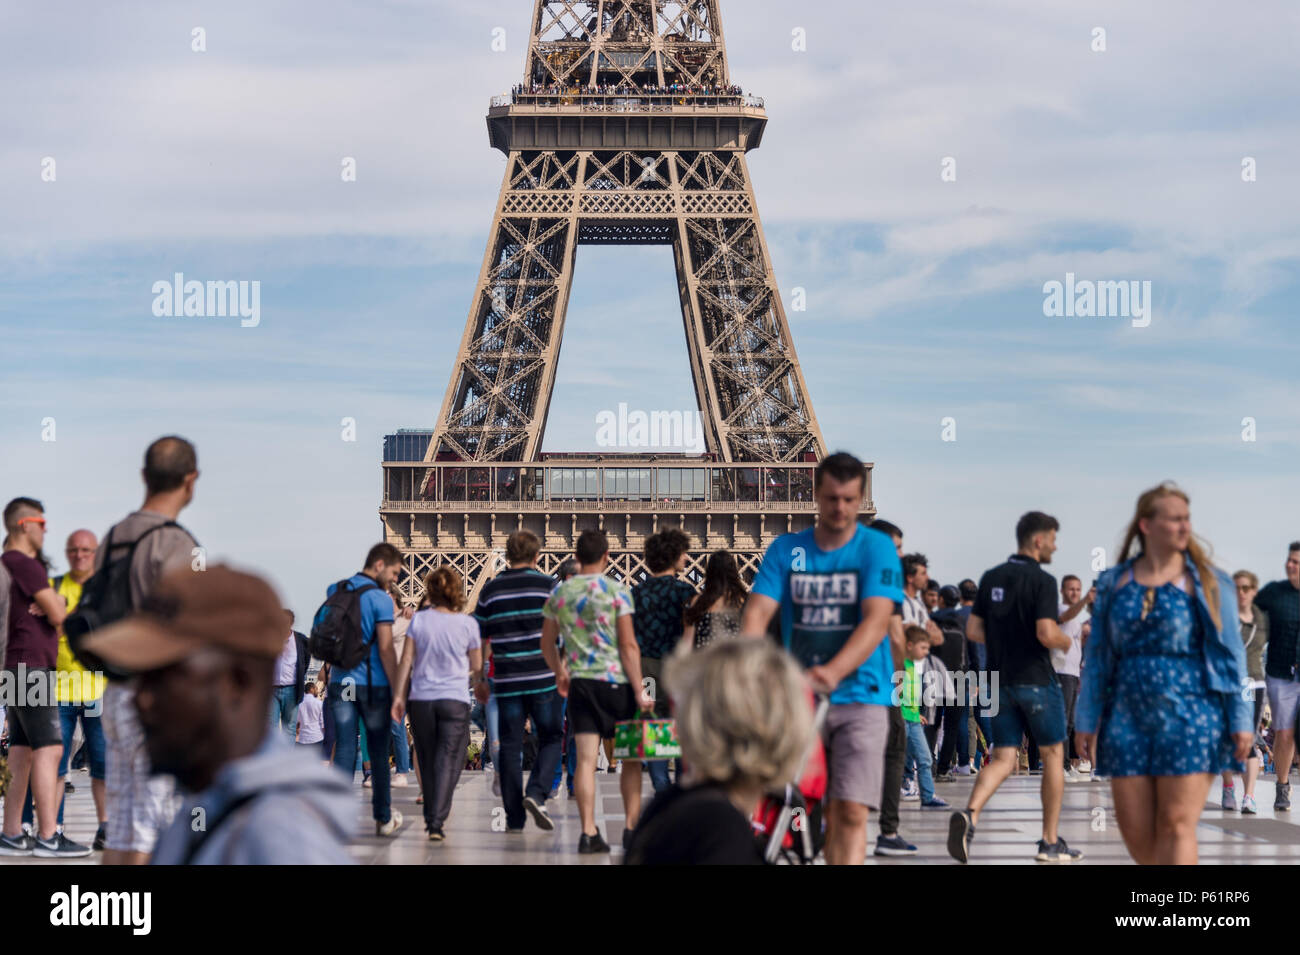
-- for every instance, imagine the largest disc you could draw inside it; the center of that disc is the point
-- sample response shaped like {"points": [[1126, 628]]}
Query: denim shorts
{"points": [[1037, 710], [1283, 702]]}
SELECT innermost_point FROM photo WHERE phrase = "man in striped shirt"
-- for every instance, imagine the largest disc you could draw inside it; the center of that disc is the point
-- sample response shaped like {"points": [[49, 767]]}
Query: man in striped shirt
{"points": [[509, 615]]}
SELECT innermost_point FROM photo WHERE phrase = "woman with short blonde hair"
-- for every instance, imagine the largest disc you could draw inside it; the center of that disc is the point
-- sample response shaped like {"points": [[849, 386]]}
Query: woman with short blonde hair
{"points": [[744, 721]]}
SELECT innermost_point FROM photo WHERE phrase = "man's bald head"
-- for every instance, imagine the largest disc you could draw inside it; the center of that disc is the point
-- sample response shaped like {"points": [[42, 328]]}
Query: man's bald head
{"points": [[80, 551], [167, 463]]}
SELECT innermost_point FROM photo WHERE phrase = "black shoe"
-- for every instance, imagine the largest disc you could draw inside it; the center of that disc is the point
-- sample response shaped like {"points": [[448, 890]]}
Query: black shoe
{"points": [[101, 837], [627, 838], [20, 845], [1059, 852], [69, 788], [591, 845], [60, 847], [540, 816], [961, 830], [894, 845], [436, 835]]}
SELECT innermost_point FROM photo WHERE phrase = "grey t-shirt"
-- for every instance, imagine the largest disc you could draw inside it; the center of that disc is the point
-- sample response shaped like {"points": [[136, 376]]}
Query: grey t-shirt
{"points": [[161, 551], [442, 645]]}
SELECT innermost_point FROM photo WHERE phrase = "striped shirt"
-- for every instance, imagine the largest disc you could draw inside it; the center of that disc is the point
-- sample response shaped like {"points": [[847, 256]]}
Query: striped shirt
{"points": [[509, 615]]}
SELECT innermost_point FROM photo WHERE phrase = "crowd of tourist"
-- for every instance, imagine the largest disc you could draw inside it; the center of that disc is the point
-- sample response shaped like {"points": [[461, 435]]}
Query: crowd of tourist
{"points": [[194, 696]]}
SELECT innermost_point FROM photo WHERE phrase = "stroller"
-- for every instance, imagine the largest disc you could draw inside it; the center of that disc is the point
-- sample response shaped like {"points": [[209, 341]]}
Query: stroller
{"points": [[788, 824]]}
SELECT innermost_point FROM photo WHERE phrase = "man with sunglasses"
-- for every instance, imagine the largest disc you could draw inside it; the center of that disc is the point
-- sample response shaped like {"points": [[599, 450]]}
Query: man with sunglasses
{"points": [[1281, 601], [36, 741]]}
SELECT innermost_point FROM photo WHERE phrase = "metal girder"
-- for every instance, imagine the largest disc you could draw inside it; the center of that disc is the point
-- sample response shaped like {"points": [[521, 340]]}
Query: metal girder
{"points": [[752, 395]]}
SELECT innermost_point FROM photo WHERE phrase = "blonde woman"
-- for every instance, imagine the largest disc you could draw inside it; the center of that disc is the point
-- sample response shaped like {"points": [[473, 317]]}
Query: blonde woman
{"points": [[1161, 709], [441, 659], [744, 724]]}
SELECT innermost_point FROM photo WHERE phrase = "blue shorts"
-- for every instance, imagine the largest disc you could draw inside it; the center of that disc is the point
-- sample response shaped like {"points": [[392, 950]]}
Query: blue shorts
{"points": [[1037, 710]]}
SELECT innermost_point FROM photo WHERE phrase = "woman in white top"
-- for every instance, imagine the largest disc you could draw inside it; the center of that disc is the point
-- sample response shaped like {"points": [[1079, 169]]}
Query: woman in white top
{"points": [[441, 659]]}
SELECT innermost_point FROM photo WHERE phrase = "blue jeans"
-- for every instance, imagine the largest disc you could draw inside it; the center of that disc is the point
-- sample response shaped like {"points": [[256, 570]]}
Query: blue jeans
{"points": [[492, 730], [547, 712], [569, 757], [370, 709], [284, 710], [93, 729], [918, 760], [401, 749]]}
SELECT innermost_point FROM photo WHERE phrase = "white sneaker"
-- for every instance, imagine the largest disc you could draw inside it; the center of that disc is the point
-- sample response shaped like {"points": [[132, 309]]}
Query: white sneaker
{"points": [[1229, 803], [391, 826], [911, 793], [963, 770], [400, 780], [1084, 766]]}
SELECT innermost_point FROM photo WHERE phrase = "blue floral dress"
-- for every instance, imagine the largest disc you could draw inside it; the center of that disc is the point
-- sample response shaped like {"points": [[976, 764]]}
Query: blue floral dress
{"points": [[1162, 719]]}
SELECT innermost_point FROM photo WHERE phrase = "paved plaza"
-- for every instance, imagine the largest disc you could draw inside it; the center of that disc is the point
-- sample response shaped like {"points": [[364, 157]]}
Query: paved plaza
{"points": [[1007, 833]]}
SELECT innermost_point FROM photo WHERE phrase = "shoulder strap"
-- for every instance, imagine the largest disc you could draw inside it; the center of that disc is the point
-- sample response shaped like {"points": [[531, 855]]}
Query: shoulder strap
{"points": [[57, 582], [228, 812]]}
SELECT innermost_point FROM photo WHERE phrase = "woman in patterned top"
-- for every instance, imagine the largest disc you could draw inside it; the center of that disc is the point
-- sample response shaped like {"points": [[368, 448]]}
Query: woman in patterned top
{"points": [[1160, 707], [715, 613]]}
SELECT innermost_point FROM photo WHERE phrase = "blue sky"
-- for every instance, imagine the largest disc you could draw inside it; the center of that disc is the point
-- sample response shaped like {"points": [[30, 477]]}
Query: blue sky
{"points": [[924, 298]]}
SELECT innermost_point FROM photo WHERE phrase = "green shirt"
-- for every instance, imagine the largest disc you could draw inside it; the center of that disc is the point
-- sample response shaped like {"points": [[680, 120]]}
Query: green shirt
{"points": [[586, 608], [911, 702]]}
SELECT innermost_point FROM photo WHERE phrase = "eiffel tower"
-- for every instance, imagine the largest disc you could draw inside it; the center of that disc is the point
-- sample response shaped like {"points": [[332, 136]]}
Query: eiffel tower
{"points": [[626, 130]]}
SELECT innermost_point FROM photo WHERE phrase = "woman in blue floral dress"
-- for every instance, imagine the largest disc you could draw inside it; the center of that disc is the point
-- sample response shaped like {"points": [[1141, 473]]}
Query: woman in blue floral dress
{"points": [[1160, 708]]}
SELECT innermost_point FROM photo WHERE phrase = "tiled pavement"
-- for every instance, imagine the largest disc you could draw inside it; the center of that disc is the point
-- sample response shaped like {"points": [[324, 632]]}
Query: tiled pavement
{"points": [[1007, 833]]}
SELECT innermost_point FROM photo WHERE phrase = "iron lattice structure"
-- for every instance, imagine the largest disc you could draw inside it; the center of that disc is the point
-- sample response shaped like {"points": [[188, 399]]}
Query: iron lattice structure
{"points": [[626, 129]]}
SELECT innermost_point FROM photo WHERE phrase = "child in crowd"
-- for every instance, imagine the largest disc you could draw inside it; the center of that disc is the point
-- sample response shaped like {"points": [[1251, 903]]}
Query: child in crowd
{"points": [[918, 747]]}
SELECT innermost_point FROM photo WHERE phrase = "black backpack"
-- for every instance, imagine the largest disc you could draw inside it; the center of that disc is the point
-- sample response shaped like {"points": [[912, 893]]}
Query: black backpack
{"points": [[953, 651], [106, 599], [336, 634]]}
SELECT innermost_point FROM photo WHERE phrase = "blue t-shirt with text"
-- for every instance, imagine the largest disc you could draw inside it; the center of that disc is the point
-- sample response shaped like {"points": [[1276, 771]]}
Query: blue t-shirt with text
{"points": [[376, 608], [821, 594]]}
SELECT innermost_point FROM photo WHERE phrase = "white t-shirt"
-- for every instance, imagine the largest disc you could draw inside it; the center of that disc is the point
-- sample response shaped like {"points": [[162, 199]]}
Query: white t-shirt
{"points": [[915, 612], [311, 719], [1069, 661], [442, 644]]}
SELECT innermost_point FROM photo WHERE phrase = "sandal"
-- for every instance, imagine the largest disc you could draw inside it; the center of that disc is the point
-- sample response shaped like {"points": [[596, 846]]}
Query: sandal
{"points": [[419, 799]]}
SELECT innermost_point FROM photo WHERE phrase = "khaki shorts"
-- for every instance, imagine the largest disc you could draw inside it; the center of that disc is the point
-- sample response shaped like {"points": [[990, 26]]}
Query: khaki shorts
{"points": [[856, 735]]}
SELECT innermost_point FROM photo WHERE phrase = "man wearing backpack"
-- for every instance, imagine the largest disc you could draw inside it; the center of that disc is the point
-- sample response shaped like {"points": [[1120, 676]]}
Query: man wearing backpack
{"points": [[358, 615], [140, 805], [953, 654]]}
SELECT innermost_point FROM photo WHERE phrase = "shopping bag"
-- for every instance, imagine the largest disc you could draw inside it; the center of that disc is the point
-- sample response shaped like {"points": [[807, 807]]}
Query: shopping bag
{"points": [[646, 739]]}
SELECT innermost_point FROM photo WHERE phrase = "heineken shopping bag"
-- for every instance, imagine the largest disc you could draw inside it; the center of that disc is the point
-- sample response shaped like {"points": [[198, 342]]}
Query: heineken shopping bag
{"points": [[646, 739]]}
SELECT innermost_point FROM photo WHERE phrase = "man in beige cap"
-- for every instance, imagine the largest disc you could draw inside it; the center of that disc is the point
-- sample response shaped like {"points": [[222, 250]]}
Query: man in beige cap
{"points": [[204, 646]]}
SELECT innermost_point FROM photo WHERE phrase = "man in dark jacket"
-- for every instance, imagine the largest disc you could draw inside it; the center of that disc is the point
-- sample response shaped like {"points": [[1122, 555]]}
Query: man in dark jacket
{"points": [[289, 675], [953, 654]]}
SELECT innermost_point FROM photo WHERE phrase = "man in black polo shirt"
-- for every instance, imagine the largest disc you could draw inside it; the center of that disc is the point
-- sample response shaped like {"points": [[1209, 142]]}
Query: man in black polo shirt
{"points": [[1281, 601], [1015, 614]]}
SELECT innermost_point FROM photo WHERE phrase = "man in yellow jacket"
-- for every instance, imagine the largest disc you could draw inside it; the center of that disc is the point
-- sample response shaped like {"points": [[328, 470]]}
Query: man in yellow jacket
{"points": [[79, 691]]}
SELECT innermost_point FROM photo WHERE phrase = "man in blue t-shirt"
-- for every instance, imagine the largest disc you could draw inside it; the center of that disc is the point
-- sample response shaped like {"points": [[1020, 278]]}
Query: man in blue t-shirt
{"points": [[835, 586], [364, 694]]}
